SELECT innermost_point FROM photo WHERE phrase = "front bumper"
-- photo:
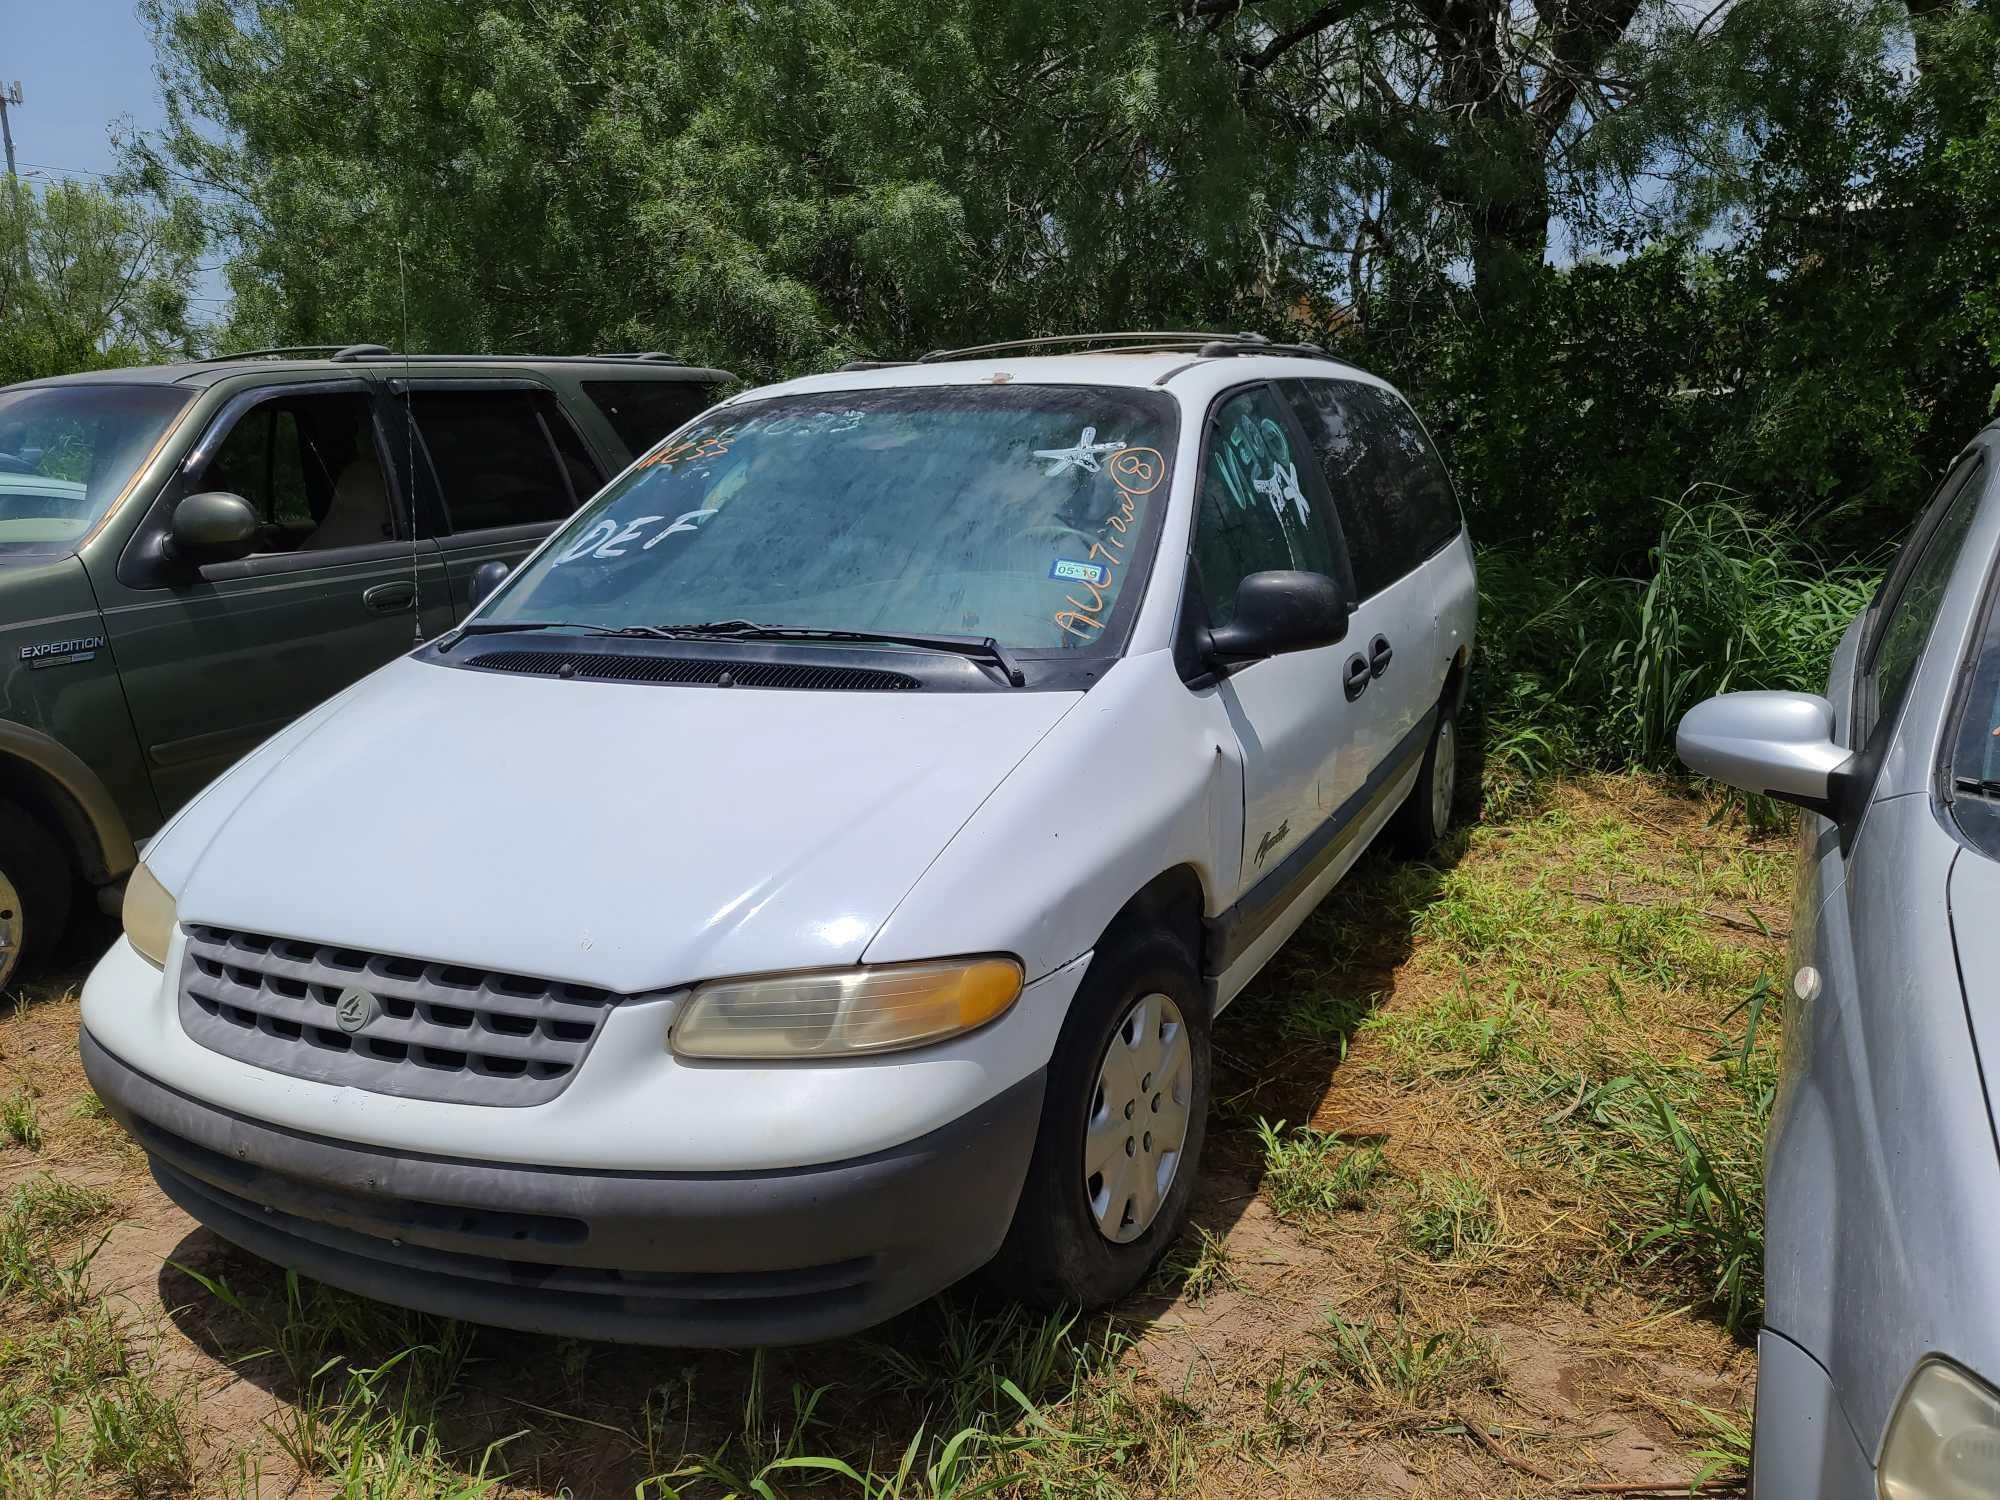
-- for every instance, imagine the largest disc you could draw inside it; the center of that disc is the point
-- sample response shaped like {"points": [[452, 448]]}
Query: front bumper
{"points": [[1804, 1448], [688, 1258]]}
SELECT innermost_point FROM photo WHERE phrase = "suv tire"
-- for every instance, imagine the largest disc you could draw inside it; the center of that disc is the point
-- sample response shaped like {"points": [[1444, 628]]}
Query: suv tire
{"points": [[35, 888], [1425, 816], [1089, 1238]]}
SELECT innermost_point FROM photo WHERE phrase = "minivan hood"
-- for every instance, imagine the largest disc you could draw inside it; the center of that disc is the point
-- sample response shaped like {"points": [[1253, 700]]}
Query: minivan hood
{"points": [[632, 836]]}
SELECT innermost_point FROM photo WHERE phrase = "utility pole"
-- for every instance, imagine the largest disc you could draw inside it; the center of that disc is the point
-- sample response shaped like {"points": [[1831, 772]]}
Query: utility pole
{"points": [[11, 94]]}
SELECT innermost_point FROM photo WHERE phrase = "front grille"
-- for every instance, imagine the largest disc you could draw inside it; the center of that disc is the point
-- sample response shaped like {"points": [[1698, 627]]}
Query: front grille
{"points": [[441, 1031], [615, 666]]}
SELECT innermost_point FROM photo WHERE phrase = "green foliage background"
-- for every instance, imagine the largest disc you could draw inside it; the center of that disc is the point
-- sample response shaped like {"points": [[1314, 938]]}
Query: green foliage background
{"points": [[1634, 260]]}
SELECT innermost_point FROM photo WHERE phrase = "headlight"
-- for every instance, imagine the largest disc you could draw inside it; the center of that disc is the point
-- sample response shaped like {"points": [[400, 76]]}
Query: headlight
{"points": [[1944, 1440], [149, 916], [838, 1012]]}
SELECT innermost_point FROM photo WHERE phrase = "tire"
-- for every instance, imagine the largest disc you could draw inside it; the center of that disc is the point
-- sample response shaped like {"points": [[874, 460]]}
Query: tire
{"points": [[1425, 816], [36, 883], [1056, 1254]]}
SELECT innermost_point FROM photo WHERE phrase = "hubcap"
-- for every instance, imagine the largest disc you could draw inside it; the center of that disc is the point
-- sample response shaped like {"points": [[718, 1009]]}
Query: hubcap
{"points": [[1444, 776], [10, 927], [1138, 1118]]}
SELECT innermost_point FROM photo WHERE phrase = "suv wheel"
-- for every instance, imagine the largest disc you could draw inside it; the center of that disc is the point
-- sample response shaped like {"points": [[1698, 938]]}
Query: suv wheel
{"points": [[1123, 1119], [35, 885], [1425, 818]]}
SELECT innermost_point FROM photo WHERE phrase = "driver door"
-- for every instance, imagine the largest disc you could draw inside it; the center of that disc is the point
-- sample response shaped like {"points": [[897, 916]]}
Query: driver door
{"points": [[217, 656]]}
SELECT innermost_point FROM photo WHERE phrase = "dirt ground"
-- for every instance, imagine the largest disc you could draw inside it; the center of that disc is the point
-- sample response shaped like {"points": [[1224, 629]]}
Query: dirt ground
{"points": [[1450, 1284]]}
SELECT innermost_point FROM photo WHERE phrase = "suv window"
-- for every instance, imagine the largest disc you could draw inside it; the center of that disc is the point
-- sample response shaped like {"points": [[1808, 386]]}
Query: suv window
{"points": [[311, 469], [1905, 627], [503, 457], [1395, 503], [1254, 512], [642, 412]]}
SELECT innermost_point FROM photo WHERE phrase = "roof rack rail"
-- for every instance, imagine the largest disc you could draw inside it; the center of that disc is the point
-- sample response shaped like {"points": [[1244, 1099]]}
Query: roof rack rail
{"points": [[280, 351], [350, 352], [1140, 341]]}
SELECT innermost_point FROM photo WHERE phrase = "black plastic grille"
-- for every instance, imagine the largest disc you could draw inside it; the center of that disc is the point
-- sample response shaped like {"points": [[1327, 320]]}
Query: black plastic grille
{"points": [[438, 1031], [619, 666]]}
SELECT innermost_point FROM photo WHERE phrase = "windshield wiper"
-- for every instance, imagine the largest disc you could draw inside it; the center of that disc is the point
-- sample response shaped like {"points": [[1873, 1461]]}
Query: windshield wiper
{"points": [[1979, 786], [983, 647], [505, 627]]}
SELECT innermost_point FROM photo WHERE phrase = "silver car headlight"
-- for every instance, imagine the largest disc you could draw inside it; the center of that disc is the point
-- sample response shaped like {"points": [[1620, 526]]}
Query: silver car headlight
{"points": [[1944, 1439], [148, 914], [841, 1012]]}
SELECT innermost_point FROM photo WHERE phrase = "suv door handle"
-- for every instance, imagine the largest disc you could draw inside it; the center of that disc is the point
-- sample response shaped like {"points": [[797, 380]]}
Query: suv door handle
{"points": [[1357, 677], [395, 598], [1379, 653]]}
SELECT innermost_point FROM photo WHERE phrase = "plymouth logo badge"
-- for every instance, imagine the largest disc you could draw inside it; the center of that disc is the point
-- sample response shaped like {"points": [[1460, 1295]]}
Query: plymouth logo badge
{"points": [[355, 1009]]}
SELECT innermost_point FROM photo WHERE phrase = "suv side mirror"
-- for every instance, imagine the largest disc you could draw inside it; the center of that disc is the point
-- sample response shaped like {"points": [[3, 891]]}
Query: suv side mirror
{"points": [[1278, 611], [1778, 744], [487, 577], [213, 526]]}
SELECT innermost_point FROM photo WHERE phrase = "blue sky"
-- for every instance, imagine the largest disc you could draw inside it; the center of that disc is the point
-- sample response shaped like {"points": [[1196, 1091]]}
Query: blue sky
{"points": [[81, 64]]}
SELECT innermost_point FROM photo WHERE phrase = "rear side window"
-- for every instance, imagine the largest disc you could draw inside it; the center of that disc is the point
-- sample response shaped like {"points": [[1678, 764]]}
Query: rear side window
{"points": [[1905, 627], [1256, 510], [642, 412], [1395, 503], [503, 457]]}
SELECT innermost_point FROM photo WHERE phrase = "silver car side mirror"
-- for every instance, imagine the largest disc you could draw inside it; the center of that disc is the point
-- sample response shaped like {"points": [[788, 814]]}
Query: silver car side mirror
{"points": [[1779, 744]]}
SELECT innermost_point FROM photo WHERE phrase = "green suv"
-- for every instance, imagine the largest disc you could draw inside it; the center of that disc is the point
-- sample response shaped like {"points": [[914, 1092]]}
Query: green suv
{"points": [[191, 556]]}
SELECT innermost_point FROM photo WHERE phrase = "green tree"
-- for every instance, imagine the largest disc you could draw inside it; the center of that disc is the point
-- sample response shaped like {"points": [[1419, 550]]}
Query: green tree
{"points": [[89, 278]]}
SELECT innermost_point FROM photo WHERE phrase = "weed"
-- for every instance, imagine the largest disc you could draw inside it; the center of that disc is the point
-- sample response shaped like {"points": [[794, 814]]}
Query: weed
{"points": [[1727, 1449], [1195, 1271], [1313, 1173], [77, 1411], [89, 1107], [1450, 1217], [21, 1120], [1713, 1217], [40, 1215], [1408, 1366]]}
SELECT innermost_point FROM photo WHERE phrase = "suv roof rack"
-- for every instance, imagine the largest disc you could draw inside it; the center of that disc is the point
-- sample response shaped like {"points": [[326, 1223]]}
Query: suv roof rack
{"points": [[346, 353], [1140, 341]]}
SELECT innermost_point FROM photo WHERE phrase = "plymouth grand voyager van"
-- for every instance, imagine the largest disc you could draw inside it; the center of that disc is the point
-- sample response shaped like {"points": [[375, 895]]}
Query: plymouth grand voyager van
{"points": [[814, 873]]}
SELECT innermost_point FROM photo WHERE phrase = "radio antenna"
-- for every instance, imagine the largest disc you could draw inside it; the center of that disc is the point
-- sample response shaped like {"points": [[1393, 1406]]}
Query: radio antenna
{"points": [[410, 455]]}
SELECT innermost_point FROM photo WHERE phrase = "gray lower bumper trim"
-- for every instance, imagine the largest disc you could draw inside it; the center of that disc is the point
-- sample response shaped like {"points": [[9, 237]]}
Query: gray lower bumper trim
{"points": [[725, 1259]]}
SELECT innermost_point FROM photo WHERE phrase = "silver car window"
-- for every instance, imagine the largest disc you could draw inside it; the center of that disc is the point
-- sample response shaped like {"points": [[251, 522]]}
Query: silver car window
{"points": [[1905, 627]]}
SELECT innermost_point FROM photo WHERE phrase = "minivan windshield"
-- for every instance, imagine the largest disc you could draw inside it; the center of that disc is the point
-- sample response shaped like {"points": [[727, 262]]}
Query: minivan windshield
{"points": [[1018, 512], [68, 451]]}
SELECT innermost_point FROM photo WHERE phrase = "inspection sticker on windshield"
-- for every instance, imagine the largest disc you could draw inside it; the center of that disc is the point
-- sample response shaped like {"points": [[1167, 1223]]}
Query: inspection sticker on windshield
{"points": [[1078, 572]]}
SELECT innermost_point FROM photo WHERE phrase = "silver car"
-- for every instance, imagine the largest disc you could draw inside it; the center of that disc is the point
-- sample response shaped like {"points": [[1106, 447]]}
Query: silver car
{"points": [[1880, 1353]]}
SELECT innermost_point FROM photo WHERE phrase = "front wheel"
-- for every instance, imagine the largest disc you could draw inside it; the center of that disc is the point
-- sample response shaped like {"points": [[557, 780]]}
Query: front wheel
{"points": [[1123, 1119], [34, 890], [1424, 820]]}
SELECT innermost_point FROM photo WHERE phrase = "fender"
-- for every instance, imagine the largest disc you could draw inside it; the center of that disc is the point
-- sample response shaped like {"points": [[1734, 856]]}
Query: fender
{"points": [[81, 804]]}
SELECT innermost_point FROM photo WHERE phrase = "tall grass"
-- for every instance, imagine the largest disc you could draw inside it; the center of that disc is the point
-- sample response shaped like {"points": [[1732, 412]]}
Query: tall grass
{"points": [[1597, 671]]}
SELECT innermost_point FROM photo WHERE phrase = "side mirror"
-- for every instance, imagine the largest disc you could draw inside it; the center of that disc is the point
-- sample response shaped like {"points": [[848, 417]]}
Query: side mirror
{"points": [[1778, 744], [213, 526], [487, 577], [1278, 611]]}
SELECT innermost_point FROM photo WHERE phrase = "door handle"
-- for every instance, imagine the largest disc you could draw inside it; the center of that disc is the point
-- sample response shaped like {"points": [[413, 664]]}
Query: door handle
{"points": [[390, 598], [1357, 677], [1379, 653]]}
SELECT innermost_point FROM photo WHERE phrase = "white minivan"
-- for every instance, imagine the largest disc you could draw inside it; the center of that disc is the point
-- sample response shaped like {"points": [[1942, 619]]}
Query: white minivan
{"points": [[813, 875]]}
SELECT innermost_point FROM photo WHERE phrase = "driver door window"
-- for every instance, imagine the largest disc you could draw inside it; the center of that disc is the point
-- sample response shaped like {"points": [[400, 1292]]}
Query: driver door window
{"points": [[310, 468], [1258, 509]]}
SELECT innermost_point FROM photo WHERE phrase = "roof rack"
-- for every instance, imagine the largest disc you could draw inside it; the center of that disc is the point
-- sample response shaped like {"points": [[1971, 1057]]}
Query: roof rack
{"points": [[347, 353], [1142, 341]]}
